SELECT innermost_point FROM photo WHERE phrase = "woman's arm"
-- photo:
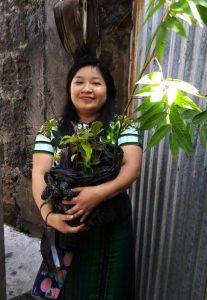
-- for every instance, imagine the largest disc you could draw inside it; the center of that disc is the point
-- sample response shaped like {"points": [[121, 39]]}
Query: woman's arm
{"points": [[89, 197], [42, 163]]}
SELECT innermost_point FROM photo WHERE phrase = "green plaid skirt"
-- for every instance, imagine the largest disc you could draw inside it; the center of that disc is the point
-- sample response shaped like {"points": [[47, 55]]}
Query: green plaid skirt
{"points": [[103, 262]]}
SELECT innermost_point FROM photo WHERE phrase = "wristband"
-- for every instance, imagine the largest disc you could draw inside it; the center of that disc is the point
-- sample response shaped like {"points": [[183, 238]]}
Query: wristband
{"points": [[48, 215], [41, 206]]}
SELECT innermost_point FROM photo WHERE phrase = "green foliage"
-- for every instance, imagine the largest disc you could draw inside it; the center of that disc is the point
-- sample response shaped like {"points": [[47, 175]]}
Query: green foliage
{"points": [[175, 115], [190, 11], [87, 145]]}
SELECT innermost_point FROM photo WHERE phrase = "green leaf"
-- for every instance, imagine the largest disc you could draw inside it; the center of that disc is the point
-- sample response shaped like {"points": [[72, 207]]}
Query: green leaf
{"points": [[145, 105], [200, 2], [151, 3], [195, 12], [179, 6], [151, 78], [174, 147], [180, 131], [183, 86], [88, 150], [157, 107], [153, 120], [185, 102], [191, 130], [96, 127], [148, 90], [189, 114], [203, 13], [199, 118], [153, 11], [161, 39], [203, 135], [158, 136], [174, 24]]}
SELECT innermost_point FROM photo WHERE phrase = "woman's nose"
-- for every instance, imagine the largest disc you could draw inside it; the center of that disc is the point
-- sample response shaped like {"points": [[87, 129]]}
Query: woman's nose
{"points": [[87, 87]]}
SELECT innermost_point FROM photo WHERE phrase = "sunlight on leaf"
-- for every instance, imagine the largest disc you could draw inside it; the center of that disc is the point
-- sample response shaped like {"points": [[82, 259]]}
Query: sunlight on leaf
{"points": [[151, 78], [195, 13], [183, 86]]}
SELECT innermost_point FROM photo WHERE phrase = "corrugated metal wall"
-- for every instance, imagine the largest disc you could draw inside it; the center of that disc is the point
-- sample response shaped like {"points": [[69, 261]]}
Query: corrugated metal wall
{"points": [[170, 199]]}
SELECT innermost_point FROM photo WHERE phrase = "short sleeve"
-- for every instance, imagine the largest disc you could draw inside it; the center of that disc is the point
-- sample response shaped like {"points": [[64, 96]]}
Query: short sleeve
{"points": [[131, 136], [44, 140]]}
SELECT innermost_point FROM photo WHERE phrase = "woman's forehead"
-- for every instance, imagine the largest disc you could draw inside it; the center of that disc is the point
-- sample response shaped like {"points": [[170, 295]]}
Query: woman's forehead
{"points": [[89, 71]]}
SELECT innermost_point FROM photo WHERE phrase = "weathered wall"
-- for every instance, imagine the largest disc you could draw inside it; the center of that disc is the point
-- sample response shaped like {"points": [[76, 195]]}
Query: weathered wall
{"points": [[33, 68]]}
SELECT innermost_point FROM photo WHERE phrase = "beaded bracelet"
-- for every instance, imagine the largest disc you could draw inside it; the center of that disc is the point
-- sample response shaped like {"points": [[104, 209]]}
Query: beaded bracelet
{"points": [[51, 211]]}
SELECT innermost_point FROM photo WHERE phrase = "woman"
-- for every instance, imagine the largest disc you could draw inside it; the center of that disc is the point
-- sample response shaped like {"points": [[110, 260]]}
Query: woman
{"points": [[103, 258]]}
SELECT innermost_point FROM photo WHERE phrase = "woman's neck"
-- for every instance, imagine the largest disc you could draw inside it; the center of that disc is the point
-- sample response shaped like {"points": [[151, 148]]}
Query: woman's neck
{"points": [[88, 119]]}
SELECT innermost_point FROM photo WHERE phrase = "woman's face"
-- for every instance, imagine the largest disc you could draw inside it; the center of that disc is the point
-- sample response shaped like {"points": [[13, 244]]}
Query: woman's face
{"points": [[88, 93]]}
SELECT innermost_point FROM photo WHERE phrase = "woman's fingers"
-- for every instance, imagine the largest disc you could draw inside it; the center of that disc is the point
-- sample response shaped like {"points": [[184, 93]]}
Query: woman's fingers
{"points": [[84, 216]]}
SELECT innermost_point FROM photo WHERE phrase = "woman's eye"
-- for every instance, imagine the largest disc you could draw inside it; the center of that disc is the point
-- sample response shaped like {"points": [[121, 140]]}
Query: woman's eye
{"points": [[96, 83], [78, 82]]}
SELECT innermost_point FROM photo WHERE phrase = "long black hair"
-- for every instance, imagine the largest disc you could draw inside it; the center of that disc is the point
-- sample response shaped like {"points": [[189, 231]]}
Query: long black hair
{"points": [[106, 115]]}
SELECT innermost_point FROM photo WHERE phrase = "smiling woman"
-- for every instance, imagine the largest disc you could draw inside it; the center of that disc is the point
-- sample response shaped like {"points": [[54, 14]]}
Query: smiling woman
{"points": [[88, 93], [103, 256]]}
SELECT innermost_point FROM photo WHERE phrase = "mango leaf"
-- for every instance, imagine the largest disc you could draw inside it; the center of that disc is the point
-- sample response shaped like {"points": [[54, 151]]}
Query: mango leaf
{"points": [[200, 2], [158, 107], [171, 95], [67, 139], [191, 130], [148, 90], [153, 120], [158, 136], [189, 114], [203, 12], [195, 12], [179, 130], [161, 39], [174, 147], [96, 127], [151, 78], [174, 24], [88, 150], [187, 18], [203, 135], [185, 102], [153, 11], [145, 105], [150, 4], [199, 118], [183, 86], [179, 6]]}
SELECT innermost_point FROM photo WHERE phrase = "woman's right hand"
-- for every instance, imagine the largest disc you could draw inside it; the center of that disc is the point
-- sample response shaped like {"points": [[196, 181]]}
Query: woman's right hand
{"points": [[60, 222]]}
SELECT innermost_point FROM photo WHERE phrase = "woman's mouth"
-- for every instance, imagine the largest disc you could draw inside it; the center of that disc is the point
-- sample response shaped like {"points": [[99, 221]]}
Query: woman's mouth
{"points": [[87, 98]]}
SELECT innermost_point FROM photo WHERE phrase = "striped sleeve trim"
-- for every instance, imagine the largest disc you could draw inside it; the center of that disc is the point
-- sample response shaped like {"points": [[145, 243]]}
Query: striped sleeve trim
{"points": [[43, 144], [130, 136], [42, 138], [43, 147]]}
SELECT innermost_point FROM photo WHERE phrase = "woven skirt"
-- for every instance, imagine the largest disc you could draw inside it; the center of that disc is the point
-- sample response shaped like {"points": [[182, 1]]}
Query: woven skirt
{"points": [[103, 263]]}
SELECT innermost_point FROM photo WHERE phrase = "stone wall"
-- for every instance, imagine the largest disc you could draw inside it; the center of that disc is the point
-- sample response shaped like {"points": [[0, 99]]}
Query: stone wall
{"points": [[33, 68]]}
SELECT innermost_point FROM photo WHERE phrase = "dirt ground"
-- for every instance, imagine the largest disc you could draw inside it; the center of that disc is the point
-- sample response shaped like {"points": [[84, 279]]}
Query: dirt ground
{"points": [[23, 259]]}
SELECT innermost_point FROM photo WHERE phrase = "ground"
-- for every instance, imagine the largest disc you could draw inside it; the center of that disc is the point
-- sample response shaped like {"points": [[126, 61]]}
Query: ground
{"points": [[23, 259]]}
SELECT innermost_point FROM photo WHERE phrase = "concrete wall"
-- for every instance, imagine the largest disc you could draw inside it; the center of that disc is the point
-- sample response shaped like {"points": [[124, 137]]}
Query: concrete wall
{"points": [[33, 69]]}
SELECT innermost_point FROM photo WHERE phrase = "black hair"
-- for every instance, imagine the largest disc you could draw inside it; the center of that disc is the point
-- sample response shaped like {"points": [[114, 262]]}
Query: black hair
{"points": [[70, 114]]}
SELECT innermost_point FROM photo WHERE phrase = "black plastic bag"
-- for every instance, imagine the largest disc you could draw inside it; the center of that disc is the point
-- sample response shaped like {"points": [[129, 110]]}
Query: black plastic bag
{"points": [[62, 178]]}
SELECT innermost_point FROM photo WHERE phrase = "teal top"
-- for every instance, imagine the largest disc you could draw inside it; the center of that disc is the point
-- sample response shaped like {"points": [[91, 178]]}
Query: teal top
{"points": [[45, 141]]}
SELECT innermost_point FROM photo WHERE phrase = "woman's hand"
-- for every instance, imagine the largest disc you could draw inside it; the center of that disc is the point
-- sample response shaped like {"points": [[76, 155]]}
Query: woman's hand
{"points": [[59, 222], [88, 198]]}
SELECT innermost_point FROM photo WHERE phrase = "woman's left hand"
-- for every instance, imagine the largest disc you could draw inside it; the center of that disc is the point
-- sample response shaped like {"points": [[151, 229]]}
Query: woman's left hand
{"points": [[88, 198]]}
